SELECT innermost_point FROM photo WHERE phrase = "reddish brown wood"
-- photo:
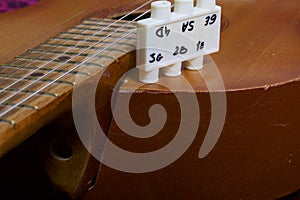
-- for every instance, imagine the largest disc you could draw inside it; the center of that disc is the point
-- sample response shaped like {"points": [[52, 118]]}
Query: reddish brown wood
{"points": [[257, 156], [25, 28], [259, 61], [48, 104]]}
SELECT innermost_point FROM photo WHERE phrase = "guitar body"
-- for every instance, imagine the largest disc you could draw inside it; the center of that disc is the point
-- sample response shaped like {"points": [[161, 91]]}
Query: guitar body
{"points": [[42, 160], [256, 155]]}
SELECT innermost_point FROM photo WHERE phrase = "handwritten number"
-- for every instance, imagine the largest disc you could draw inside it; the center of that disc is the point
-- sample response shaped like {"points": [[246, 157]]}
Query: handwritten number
{"points": [[159, 57], [183, 50], [163, 32], [180, 50], [210, 20], [207, 20], [176, 51], [154, 58], [213, 19], [200, 45]]}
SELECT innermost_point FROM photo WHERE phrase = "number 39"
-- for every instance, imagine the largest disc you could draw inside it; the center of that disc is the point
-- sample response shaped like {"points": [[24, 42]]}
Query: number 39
{"points": [[210, 20]]}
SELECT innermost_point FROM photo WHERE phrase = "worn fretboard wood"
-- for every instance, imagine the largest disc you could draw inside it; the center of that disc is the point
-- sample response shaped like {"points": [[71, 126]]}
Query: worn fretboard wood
{"points": [[40, 67]]}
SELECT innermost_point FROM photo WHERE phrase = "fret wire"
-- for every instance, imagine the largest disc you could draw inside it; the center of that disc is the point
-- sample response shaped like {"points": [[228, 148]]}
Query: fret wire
{"points": [[36, 80], [87, 34], [94, 29], [81, 33], [4, 66], [48, 69], [115, 22], [3, 113], [20, 106], [75, 60], [120, 22], [108, 21], [45, 59], [73, 53], [84, 22], [70, 53], [26, 63], [11, 122], [96, 20], [82, 42], [80, 46], [54, 64], [102, 30], [61, 61], [32, 91], [45, 86]]}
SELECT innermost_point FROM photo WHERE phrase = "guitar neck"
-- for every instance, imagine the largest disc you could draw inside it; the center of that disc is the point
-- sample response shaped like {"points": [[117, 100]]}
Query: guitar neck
{"points": [[37, 86]]}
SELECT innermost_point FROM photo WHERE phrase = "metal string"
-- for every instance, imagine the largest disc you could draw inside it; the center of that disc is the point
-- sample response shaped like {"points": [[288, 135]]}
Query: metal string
{"points": [[28, 64], [76, 66], [43, 65]]}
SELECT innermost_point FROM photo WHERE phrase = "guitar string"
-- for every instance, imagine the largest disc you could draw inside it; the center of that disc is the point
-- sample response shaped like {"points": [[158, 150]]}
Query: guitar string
{"points": [[73, 68], [64, 53], [61, 76], [26, 86], [27, 64]]}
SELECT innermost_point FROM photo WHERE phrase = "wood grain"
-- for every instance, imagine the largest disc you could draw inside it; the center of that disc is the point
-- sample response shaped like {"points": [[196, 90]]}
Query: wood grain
{"points": [[26, 28], [257, 155], [259, 63], [42, 66]]}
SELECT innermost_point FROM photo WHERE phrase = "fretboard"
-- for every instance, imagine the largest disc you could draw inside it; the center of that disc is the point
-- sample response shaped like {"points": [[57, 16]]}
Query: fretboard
{"points": [[44, 76]]}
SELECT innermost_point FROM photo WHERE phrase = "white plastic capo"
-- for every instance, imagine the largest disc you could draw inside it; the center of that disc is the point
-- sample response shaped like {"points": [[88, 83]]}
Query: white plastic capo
{"points": [[168, 39]]}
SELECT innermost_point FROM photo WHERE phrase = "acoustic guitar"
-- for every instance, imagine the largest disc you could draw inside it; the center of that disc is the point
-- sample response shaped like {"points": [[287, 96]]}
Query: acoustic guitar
{"points": [[46, 47]]}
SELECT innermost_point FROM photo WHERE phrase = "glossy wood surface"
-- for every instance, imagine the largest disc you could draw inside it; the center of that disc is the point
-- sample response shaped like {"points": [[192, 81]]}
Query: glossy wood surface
{"points": [[49, 103], [259, 63], [259, 46], [26, 28], [257, 155]]}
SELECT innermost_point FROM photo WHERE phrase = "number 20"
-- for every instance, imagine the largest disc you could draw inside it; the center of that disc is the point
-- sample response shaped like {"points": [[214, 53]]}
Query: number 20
{"points": [[210, 20]]}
